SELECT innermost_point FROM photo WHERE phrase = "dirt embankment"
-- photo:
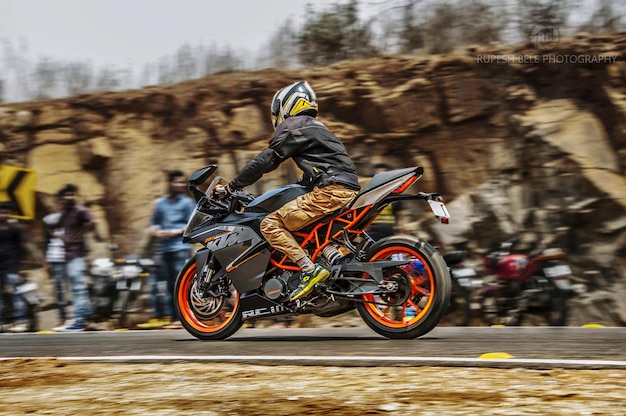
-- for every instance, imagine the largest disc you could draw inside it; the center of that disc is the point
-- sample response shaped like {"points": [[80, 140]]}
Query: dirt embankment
{"points": [[54, 387]]}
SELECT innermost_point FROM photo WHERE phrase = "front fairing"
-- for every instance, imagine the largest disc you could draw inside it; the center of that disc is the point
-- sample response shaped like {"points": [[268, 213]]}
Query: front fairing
{"points": [[238, 250]]}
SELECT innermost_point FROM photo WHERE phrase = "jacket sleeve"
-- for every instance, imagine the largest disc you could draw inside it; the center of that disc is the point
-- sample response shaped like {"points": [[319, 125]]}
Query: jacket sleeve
{"points": [[266, 161]]}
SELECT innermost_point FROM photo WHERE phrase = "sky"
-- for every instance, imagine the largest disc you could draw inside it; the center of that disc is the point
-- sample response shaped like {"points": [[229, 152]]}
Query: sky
{"points": [[135, 32]]}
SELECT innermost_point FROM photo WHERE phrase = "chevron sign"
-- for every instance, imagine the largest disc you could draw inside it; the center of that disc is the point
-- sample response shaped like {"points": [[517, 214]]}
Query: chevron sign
{"points": [[18, 185]]}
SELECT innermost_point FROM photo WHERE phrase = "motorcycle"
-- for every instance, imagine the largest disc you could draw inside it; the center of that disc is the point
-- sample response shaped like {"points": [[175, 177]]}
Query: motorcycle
{"points": [[538, 283], [237, 276], [116, 283], [464, 285]]}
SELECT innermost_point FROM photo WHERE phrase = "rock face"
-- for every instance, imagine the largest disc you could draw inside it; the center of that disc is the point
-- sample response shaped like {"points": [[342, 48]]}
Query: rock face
{"points": [[516, 142]]}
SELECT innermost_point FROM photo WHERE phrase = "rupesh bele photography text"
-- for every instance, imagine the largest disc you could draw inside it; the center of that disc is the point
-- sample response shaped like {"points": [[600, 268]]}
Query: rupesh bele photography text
{"points": [[547, 59]]}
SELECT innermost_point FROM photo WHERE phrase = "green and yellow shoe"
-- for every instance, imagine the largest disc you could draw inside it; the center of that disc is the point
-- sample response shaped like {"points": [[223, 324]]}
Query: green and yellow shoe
{"points": [[308, 280]]}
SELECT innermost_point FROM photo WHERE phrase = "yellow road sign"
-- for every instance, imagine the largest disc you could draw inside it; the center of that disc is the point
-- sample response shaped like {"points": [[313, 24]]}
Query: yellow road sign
{"points": [[18, 186]]}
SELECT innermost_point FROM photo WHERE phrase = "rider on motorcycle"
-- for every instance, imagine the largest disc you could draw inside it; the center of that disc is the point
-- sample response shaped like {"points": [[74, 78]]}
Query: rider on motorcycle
{"points": [[328, 174]]}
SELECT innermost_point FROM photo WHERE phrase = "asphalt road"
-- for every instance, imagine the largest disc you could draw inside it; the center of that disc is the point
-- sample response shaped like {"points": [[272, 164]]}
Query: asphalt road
{"points": [[347, 346]]}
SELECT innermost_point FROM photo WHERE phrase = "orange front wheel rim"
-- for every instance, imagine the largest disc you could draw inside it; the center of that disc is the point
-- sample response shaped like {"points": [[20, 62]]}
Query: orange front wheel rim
{"points": [[204, 314]]}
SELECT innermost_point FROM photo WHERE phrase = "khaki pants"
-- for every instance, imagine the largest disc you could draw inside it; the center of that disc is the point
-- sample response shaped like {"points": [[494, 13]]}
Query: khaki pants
{"points": [[302, 211]]}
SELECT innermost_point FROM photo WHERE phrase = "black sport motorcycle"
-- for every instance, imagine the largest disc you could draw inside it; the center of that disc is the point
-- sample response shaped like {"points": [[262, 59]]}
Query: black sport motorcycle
{"points": [[237, 276]]}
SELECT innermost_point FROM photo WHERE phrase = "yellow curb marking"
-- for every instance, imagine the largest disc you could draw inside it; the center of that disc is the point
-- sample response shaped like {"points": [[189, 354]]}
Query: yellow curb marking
{"points": [[593, 326], [496, 355]]}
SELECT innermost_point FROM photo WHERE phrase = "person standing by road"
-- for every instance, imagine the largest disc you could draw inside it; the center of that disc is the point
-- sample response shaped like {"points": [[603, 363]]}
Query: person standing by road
{"points": [[12, 305], [73, 223], [169, 219], [55, 263]]}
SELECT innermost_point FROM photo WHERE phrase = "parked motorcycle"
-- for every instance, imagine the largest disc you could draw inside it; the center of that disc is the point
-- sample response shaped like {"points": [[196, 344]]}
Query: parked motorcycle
{"points": [[465, 283], [116, 284], [237, 276], [538, 283]]}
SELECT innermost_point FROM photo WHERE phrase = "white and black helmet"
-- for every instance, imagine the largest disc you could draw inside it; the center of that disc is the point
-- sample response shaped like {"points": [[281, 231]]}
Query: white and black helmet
{"points": [[294, 99]]}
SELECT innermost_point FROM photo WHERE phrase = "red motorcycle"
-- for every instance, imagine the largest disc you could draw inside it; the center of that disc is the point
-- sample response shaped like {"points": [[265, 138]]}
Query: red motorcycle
{"points": [[538, 283]]}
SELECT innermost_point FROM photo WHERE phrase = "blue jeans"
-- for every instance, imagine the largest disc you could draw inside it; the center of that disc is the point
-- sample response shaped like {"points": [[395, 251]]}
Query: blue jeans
{"points": [[76, 273], [58, 271], [163, 285], [10, 301]]}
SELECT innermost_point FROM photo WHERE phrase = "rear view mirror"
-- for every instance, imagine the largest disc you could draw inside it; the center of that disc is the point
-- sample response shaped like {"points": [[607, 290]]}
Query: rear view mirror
{"points": [[201, 175]]}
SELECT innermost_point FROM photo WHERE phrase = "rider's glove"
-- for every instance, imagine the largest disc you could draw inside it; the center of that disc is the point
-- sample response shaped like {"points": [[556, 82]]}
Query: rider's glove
{"points": [[222, 191]]}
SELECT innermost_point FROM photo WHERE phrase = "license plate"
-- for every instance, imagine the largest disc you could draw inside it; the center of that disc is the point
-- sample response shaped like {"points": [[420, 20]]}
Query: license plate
{"points": [[470, 283], [464, 272], [560, 270], [439, 209], [563, 284]]}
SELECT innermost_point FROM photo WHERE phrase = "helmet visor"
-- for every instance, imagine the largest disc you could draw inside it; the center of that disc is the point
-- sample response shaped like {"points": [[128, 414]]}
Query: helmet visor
{"points": [[276, 103]]}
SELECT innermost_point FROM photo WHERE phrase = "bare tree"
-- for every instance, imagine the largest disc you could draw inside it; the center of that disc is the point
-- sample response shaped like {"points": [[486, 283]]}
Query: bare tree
{"points": [[481, 21], [334, 35], [78, 77], [440, 26], [531, 13], [18, 66], [45, 78], [228, 61], [187, 61], [107, 79], [605, 18], [282, 49], [411, 33]]}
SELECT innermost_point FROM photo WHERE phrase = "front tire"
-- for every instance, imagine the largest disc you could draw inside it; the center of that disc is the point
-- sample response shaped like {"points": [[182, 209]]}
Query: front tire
{"points": [[205, 317], [424, 291]]}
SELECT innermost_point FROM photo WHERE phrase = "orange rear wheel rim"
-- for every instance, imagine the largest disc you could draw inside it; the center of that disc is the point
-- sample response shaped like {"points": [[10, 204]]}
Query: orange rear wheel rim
{"points": [[421, 285]]}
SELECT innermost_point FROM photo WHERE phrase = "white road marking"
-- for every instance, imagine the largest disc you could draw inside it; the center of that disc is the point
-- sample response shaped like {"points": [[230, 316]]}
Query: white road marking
{"points": [[351, 360]]}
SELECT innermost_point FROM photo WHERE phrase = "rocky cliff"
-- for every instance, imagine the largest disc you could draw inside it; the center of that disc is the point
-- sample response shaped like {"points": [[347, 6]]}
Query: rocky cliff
{"points": [[517, 142]]}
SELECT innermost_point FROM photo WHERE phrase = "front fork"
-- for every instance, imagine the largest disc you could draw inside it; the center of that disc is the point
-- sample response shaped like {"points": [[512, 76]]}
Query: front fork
{"points": [[208, 279]]}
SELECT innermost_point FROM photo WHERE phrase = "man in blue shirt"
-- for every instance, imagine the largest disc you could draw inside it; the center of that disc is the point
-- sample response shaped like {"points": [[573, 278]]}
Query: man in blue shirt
{"points": [[169, 218]]}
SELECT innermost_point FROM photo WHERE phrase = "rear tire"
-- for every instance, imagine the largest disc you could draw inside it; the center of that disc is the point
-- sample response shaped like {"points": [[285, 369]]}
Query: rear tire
{"points": [[427, 290], [206, 318]]}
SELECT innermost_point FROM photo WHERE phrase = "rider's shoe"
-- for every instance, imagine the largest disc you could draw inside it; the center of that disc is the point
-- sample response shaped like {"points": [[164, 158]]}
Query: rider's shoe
{"points": [[308, 280]]}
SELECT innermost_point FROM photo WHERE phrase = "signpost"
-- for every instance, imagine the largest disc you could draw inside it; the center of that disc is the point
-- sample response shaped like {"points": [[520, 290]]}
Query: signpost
{"points": [[18, 186]]}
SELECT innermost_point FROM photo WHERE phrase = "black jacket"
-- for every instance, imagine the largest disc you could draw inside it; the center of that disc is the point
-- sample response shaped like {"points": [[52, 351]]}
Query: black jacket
{"points": [[316, 151]]}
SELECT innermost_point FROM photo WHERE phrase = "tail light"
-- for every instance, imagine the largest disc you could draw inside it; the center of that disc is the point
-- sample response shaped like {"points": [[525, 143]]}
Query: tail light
{"points": [[406, 184]]}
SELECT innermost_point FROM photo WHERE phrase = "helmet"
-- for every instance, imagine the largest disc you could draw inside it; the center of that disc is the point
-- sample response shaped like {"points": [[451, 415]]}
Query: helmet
{"points": [[292, 100]]}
